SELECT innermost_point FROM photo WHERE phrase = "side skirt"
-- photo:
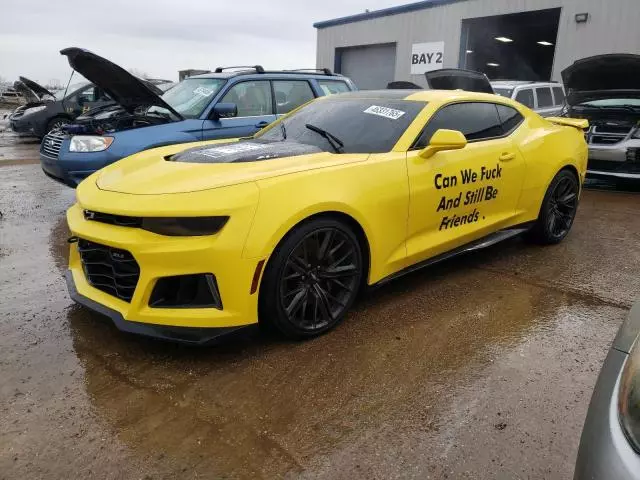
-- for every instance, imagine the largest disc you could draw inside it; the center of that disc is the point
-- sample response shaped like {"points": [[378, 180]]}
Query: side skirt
{"points": [[479, 244]]}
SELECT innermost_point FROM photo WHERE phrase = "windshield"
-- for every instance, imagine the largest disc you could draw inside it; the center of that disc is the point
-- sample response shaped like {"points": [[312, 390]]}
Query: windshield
{"points": [[71, 89], [191, 96], [503, 92], [612, 102], [363, 125]]}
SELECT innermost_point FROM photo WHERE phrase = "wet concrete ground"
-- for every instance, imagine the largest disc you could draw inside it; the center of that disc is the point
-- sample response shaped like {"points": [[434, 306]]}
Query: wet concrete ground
{"points": [[478, 368]]}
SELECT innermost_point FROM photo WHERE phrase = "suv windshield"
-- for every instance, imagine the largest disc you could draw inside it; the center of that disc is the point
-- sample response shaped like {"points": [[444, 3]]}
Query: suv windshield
{"points": [[191, 96], [362, 125]]}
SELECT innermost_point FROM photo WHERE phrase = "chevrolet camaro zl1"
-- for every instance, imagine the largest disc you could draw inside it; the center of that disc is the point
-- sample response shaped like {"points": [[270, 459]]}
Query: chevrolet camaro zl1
{"points": [[186, 242]]}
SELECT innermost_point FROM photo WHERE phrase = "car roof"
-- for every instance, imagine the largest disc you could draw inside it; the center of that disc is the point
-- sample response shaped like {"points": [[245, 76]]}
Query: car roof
{"points": [[270, 74], [439, 96]]}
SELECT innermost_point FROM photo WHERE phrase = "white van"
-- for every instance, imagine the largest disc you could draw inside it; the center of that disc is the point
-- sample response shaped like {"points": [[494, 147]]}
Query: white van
{"points": [[546, 98]]}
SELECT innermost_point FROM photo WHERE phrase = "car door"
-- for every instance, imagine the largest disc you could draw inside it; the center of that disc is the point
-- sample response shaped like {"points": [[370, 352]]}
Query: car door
{"points": [[458, 196], [255, 111]]}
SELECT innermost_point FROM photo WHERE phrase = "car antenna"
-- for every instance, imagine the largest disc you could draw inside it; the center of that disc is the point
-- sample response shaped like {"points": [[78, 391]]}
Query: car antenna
{"points": [[65, 90]]}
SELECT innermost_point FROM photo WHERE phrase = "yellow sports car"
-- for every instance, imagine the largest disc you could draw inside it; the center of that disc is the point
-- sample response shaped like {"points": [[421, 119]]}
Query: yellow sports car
{"points": [[186, 242]]}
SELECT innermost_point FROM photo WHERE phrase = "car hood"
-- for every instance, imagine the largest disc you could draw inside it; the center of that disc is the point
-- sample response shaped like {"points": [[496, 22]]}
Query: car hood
{"points": [[124, 88], [213, 165], [33, 91], [602, 76], [458, 79]]}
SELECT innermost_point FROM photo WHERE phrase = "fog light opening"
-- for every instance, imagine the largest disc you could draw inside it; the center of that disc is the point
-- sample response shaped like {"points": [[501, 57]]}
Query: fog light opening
{"points": [[186, 291]]}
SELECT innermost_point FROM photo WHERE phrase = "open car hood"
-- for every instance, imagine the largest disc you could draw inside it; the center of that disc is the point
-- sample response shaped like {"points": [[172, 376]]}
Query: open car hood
{"points": [[33, 91], [124, 88], [603, 76], [458, 79]]}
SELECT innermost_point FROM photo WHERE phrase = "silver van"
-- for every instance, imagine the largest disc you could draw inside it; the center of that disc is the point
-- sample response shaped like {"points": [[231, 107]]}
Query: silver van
{"points": [[546, 98]]}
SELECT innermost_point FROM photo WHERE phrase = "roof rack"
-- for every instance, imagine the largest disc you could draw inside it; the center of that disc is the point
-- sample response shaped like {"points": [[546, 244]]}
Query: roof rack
{"points": [[257, 68], [326, 71]]}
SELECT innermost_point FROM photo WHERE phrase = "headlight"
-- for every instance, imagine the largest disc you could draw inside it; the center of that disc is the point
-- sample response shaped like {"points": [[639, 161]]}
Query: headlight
{"points": [[88, 143], [629, 397], [31, 110], [184, 226]]}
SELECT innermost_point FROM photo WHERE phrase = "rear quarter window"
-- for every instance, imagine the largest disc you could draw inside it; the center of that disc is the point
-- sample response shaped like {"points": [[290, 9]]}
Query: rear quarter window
{"points": [[329, 87], [558, 94], [544, 97], [525, 97]]}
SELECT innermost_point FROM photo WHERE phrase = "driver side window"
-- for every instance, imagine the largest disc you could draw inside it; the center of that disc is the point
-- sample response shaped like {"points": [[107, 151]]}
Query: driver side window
{"points": [[476, 120], [253, 99]]}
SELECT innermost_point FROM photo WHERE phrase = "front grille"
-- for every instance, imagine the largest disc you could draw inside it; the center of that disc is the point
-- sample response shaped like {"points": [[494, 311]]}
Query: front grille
{"points": [[51, 143], [109, 269], [606, 134], [111, 219]]}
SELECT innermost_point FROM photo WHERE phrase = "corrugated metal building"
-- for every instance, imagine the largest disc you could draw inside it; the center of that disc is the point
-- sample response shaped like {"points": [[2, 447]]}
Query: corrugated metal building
{"points": [[506, 39]]}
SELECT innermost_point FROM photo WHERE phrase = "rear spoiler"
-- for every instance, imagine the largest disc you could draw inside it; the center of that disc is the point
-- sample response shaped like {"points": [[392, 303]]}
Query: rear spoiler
{"points": [[579, 123]]}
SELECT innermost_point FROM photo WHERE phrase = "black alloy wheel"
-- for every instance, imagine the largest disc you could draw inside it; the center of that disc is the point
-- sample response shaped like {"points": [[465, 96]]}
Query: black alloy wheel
{"points": [[558, 210], [315, 276], [563, 206]]}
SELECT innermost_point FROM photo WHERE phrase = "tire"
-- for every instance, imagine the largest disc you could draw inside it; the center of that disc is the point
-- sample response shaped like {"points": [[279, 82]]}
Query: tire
{"points": [[306, 298], [56, 122], [558, 210]]}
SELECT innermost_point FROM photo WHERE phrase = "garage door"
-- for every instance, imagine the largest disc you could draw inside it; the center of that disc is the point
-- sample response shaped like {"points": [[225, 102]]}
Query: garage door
{"points": [[370, 67]]}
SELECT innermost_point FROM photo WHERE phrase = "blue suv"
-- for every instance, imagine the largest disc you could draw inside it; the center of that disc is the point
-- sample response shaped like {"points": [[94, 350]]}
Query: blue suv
{"points": [[230, 102]]}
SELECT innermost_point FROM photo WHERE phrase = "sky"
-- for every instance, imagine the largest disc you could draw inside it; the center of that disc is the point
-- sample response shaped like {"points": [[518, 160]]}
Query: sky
{"points": [[160, 37]]}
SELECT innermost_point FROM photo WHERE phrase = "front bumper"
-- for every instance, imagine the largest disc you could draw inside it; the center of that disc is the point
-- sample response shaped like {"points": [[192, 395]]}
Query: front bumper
{"points": [[55, 169], [618, 161], [188, 335], [159, 257], [23, 127]]}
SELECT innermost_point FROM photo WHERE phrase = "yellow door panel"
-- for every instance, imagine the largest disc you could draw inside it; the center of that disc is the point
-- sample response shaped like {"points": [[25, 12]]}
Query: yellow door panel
{"points": [[458, 196]]}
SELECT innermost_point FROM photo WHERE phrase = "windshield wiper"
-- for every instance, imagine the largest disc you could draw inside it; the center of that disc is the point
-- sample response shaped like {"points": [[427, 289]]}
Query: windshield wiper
{"points": [[283, 129], [334, 141]]}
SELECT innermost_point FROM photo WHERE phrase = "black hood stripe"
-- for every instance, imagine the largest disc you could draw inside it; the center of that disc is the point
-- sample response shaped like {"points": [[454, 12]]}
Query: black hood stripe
{"points": [[244, 151]]}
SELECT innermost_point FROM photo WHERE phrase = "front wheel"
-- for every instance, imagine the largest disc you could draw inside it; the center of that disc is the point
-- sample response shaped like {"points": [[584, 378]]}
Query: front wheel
{"points": [[56, 123], [312, 278], [558, 209]]}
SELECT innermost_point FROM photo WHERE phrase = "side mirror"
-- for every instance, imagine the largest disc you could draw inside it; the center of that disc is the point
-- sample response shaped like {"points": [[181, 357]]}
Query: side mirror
{"points": [[444, 140], [224, 110]]}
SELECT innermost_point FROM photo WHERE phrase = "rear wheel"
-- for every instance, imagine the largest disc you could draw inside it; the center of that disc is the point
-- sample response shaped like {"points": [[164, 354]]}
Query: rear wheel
{"points": [[558, 209], [312, 279]]}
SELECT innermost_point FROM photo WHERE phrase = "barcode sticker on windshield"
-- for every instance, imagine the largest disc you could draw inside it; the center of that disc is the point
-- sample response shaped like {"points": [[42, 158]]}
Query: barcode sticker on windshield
{"points": [[205, 92], [385, 112]]}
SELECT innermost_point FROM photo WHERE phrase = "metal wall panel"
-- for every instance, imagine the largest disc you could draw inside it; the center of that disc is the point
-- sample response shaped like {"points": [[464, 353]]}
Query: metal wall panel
{"points": [[370, 67], [612, 28]]}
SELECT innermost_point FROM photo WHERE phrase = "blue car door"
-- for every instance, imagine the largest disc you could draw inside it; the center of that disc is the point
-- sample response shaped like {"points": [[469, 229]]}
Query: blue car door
{"points": [[255, 111]]}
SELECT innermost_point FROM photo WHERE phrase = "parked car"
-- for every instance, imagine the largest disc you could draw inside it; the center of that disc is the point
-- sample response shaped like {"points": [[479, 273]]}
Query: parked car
{"points": [[186, 242], [605, 89], [10, 96], [610, 442], [229, 102], [47, 111], [458, 79], [546, 98]]}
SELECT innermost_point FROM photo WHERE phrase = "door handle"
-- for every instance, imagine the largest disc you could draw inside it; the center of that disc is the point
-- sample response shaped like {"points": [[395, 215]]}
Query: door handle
{"points": [[506, 156], [262, 124]]}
